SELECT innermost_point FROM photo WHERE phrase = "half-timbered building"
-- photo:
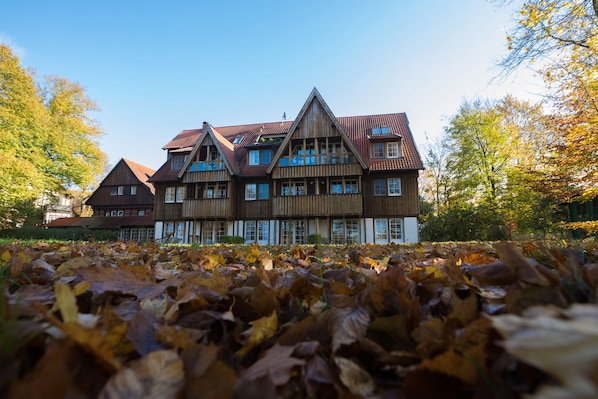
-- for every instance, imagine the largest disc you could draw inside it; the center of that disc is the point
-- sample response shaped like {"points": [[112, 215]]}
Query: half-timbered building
{"points": [[347, 179]]}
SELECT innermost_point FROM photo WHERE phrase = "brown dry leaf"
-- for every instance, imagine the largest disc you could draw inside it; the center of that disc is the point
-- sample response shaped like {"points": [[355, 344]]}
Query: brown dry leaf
{"points": [[514, 259], [142, 333], [178, 337], [261, 330], [218, 382], [66, 303], [159, 375], [276, 364], [64, 371], [185, 296], [561, 342], [347, 325], [456, 364], [92, 341], [356, 379], [492, 274]]}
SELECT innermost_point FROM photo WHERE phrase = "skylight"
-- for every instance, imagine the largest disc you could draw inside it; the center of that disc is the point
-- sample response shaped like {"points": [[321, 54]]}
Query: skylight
{"points": [[381, 130], [238, 139]]}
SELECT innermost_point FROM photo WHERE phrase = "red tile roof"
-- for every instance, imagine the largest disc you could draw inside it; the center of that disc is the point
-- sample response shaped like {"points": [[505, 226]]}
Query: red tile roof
{"points": [[143, 173], [357, 128]]}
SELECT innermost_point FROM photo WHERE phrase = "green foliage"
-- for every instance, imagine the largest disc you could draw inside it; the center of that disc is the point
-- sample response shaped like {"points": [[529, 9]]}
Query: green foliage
{"points": [[465, 222], [48, 143], [58, 234], [233, 240], [314, 239]]}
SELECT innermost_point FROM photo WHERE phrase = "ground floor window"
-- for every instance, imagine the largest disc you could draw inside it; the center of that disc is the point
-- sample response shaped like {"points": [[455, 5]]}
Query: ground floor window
{"points": [[213, 231], [292, 232], [388, 230], [174, 231], [344, 231], [257, 231], [140, 234]]}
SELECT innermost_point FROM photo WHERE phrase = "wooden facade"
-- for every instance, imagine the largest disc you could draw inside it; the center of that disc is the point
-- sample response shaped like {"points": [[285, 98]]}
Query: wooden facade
{"points": [[351, 179]]}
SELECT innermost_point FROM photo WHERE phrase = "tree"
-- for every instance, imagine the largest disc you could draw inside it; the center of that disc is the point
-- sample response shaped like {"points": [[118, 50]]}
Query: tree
{"points": [[48, 142]]}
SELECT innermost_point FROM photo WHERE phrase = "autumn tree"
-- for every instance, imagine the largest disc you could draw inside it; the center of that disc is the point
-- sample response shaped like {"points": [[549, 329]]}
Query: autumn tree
{"points": [[559, 39], [492, 164], [48, 141]]}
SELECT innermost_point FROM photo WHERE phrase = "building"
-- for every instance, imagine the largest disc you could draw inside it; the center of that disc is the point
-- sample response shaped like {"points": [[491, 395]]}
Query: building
{"points": [[347, 179], [123, 202]]}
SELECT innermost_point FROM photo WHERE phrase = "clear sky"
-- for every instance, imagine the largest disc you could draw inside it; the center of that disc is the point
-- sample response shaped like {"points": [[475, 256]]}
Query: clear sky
{"points": [[156, 67]]}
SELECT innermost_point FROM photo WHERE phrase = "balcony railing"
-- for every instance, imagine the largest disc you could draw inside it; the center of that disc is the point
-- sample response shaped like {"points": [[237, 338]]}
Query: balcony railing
{"points": [[204, 166], [318, 205], [300, 160], [208, 207]]}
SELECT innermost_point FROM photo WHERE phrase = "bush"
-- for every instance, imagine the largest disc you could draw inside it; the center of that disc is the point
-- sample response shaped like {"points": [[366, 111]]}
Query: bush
{"points": [[314, 239], [58, 234], [233, 240]]}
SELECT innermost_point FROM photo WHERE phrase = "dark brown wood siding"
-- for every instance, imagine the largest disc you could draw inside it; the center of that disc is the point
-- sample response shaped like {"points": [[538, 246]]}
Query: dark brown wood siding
{"points": [[213, 176], [317, 170], [407, 204], [163, 211]]}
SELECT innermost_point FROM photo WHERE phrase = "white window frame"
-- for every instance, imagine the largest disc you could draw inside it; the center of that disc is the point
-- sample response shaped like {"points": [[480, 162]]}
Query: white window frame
{"points": [[250, 231], [392, 150], [394, 187], [133, 190], [250, 192], [170, 195], [180, 194], [395, 229], [121, 190]]}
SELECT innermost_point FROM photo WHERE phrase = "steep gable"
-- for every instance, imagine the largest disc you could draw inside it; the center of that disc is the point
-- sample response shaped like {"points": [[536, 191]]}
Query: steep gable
{"points": [[124, 173], [315, 120], [225, 148]]}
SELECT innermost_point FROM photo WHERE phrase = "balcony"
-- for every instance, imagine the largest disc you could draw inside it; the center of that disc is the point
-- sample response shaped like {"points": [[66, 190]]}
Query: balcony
{"points": [[208, 208], [318, 205]]}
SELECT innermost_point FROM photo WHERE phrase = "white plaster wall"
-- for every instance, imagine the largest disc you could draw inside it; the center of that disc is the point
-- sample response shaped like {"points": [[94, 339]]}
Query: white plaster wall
{"points": [[411, 230]]}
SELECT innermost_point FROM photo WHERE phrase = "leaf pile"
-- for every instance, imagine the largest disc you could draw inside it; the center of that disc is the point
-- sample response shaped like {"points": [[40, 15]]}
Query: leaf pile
{"points": [[470, 320]]}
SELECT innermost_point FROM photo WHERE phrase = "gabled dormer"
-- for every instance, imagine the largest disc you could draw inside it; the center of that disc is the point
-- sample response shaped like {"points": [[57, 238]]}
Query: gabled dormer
{"points": [[211, 159], [316, 140], [383, 143]]}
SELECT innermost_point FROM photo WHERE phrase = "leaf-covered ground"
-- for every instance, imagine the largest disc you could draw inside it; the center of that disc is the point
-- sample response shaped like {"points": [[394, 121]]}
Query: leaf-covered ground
{"points": [[470, 320]]}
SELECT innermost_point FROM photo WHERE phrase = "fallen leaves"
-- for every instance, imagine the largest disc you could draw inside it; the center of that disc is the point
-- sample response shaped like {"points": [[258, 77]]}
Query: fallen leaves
{"points": [[427, 320]]}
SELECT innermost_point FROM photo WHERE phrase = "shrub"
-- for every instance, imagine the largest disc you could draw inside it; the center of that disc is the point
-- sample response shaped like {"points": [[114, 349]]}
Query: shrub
{"points": [[233, 240], [314, 239]]}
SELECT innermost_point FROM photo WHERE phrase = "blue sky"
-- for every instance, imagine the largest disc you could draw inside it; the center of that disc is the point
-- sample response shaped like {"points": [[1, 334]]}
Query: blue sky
{"points": [[156, 68]]}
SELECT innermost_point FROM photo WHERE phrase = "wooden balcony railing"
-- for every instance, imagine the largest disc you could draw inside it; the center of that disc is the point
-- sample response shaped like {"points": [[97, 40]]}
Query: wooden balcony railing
{"points": [[318, 205], [208, 207]]}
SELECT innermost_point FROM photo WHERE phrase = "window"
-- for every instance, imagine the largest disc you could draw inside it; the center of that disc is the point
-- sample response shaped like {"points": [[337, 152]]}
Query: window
{"points": [[214, 190], [343, 187], [378, 150], [141, 212], [107, 213], [263, 191], [394, 187], [121, 190], [262, 232], [250, 231], [120, 213], [392, 150], [250, 192], [381, 130], [238, 140], [292, 188], [113, 191], [177, 162], [292, 232], [380, 231], [254, 157], [344, 231], [379, 187], [133, 190], [213, 231], [170, 195], [396, 229], [113, 213], [174, 194], [266, 157]]}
